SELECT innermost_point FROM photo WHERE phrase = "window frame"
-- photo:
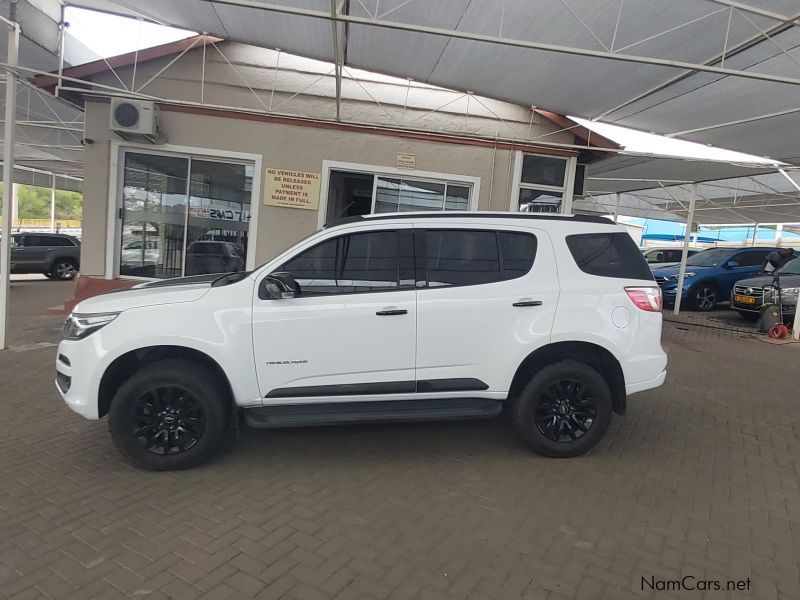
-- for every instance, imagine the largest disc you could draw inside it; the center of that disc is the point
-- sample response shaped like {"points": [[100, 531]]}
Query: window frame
{"points": [[566, 191], [474, 183]]}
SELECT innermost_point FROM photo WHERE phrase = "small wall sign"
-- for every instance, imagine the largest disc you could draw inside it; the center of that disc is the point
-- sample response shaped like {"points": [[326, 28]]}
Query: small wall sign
{"points": [[292, 189], [406, 161]]}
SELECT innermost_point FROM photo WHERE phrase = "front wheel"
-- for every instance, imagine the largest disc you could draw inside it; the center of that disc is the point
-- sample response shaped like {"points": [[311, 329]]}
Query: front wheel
{"points": [[705, 297], [169, 415], [564, 410]]}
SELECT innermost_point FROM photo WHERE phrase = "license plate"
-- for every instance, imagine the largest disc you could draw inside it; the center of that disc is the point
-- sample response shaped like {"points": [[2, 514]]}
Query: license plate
{"points": [[744, 299]]}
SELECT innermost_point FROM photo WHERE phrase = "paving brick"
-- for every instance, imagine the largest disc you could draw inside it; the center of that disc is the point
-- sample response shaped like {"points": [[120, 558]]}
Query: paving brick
{"points": [[701, 476]]}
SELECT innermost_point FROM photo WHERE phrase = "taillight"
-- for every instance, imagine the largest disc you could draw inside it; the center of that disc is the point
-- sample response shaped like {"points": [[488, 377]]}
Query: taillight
{"points": [[646, 298]]}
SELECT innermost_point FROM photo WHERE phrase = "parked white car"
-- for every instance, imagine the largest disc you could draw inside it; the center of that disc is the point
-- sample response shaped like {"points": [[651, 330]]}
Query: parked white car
{"points": [[393, 317], [666, 256]]}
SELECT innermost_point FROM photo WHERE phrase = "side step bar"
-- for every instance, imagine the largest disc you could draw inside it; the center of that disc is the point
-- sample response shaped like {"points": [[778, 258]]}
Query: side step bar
{"points": [[332, 413]]}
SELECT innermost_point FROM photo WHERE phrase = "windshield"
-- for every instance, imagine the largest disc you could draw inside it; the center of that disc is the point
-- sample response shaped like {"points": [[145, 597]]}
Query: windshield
{"points": [[709, 258], [791, 268]]}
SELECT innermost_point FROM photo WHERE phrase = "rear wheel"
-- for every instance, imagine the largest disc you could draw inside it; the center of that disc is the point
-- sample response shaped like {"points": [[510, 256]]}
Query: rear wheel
{"points": [[169, 415], [564, 410], [705, 297], [49, 275], [64, 269]]}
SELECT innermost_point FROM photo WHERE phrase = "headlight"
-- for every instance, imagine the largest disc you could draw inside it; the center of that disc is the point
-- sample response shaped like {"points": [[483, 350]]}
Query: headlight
{"points": [[790, 291], [77, 327], [689, 274]]}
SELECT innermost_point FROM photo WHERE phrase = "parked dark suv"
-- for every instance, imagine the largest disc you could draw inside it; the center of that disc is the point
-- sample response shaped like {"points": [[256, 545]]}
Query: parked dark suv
{"points": [[55, 255]]}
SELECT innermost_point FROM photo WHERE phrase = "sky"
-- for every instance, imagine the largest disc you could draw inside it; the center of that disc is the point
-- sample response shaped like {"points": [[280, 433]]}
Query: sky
{"points": [[109, 35]]}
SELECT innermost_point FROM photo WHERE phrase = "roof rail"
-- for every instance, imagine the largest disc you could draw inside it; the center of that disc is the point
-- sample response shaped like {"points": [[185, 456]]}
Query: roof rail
{"points": [[471, 215]]}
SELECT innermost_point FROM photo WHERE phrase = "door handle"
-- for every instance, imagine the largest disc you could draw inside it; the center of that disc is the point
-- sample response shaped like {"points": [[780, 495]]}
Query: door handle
{"points": [[391, 311], [528, 303]]}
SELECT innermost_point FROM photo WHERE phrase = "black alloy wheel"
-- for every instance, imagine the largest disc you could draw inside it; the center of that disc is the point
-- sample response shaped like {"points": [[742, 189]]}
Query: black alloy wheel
{"points": [[168, 420], [566, 412], [171, 414]]}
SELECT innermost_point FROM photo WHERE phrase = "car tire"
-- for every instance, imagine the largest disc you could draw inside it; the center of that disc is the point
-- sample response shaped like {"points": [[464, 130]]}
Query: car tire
{"points": [[748, 316], [49, 275], [557, 418], [170, 415], [64, 269], [705, 297]]}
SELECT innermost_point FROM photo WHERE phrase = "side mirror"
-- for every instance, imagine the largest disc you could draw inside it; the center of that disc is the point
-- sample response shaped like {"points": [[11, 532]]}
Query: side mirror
{"points": [[731, 264], [278, 286]]}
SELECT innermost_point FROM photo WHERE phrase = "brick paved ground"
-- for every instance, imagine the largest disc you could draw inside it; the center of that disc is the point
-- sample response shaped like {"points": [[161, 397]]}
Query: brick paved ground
{"points": [[699, 478]]}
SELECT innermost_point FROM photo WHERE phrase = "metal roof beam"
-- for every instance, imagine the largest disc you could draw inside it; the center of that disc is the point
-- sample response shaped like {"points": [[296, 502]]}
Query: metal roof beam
{"points": [[492, 39], [758, 11]]}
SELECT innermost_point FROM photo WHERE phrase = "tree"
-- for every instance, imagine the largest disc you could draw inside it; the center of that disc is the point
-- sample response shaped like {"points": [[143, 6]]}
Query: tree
{"points": [[33, 202]]}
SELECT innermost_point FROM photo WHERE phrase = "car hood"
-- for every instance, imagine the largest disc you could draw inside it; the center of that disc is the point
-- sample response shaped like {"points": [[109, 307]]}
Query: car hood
{"points": [[787, 281], [170, 291]]}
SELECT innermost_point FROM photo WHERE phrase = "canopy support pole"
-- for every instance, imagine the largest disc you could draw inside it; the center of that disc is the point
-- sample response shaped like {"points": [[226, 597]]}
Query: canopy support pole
{"points": [[8, 176], [616, 207], [53, 203], [685, 253]]}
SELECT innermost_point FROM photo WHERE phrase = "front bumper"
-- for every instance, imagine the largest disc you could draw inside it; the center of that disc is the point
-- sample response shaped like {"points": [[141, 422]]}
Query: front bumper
{"points": [[73, 381]]}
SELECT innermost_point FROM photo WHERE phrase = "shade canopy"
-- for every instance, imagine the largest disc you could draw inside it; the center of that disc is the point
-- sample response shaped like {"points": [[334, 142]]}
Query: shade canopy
{"points": [[714, 71]]}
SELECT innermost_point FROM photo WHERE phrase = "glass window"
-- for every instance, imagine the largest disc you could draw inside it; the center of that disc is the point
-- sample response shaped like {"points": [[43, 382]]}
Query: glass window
{"points": [[543, 170], [753, 258], [353, 194], [362, 262], [517, 251], [16, 241], [461, 257], [539, 201], [608, 255]]}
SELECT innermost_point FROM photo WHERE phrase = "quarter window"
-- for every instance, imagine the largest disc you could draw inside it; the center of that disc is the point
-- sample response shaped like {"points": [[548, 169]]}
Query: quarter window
{"points": [[608, 255], [361, 262]]}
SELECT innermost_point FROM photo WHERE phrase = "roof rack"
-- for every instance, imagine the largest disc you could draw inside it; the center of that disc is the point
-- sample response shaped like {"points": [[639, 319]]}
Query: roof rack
{"points": [[471, 215]]}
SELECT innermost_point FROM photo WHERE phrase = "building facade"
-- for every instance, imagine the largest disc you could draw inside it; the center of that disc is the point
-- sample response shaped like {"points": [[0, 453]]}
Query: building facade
{"points": [[230, 183]]}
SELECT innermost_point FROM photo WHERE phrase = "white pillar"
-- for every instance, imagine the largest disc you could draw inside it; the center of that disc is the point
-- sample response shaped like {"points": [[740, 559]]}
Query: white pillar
{"points": [[14, 204], [52, 202], [755, 234], [616, 207], [684, 255], [8, 176]]}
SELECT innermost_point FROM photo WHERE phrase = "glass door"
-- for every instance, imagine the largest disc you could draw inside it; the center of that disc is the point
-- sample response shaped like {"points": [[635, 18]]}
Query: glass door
{"points": [[219, 216], [183, 215], [153, 215]]}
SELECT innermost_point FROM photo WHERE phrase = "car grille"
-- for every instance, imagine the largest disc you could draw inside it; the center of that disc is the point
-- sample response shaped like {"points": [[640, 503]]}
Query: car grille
{"points": [[753, 292]]}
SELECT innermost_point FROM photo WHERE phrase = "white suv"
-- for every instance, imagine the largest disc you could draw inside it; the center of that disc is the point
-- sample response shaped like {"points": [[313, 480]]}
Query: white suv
{"points": [[395, 317]]}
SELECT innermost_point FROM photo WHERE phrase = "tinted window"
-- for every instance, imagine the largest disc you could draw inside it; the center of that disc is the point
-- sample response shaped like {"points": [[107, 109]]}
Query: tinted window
{"points": [[751, 259], [517, 251], [457, 257], [608, 255], [362, 262], [709, 258]]}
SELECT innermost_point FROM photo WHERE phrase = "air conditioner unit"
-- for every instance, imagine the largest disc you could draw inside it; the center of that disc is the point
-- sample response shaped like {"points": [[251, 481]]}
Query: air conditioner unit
{"points": [[132, 118]]}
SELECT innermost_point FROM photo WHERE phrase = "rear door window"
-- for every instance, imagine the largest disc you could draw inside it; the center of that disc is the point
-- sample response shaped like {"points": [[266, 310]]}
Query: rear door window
{"points": [[751, 259], [474, 257], [608, 255]]}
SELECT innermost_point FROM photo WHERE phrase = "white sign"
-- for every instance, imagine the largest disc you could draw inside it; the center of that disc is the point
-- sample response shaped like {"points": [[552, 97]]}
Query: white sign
{"points": [[406, 161]]}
